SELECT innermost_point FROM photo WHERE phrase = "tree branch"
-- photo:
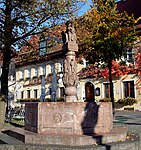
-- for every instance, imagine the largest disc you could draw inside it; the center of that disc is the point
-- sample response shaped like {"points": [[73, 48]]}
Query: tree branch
{"points": [[31, 31]]}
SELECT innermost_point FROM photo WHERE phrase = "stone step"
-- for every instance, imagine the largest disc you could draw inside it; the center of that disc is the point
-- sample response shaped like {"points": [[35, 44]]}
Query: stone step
{"points": [[36, 138], [118, 133], [6, 139]]}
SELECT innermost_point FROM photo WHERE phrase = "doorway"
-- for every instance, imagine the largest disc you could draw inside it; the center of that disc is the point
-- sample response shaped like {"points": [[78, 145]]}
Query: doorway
{"points": [[89, 92]]}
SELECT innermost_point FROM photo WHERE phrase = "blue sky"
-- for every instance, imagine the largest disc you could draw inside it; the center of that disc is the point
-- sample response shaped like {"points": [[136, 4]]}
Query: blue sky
{"points": [[86, 7], [83, 9]]}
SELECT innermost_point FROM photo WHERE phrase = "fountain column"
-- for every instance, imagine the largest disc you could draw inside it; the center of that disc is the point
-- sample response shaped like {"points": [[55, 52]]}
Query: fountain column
{"points": [[70, 78]]}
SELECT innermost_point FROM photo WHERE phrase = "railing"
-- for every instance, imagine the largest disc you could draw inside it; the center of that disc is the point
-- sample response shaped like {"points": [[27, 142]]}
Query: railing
{"points": [[17, 114]]}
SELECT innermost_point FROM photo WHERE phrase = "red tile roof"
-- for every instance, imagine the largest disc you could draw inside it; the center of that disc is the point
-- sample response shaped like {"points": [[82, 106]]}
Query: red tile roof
{"points": [[30, 53]]}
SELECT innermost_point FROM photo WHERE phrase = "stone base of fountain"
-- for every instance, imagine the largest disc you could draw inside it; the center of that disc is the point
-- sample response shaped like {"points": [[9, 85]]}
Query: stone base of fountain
{"points": [[69, 123], [69, 117]]}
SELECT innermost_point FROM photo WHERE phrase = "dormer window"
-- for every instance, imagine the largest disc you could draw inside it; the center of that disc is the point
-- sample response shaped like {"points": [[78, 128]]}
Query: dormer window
{"points": [[46, 44], [42, 46], [52, 42]]}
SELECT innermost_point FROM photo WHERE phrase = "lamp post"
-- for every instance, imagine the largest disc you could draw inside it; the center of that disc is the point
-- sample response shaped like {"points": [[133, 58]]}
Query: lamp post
{"points": [[42, 97], [54, 85]]}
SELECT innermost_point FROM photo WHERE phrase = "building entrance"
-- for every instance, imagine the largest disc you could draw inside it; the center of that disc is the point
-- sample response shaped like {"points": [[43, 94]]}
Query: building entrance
{"points": [[89, 91]]}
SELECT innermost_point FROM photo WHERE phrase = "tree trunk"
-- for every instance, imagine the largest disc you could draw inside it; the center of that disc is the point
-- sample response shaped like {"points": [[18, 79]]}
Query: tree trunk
{"points": [[111, 85], [7, 42], [4, 76], [2, 112]]}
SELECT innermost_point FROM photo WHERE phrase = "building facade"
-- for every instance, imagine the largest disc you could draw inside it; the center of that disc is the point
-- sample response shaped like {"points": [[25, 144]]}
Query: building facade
{"points": [[28, 79], [42, 67], [39, 72]]}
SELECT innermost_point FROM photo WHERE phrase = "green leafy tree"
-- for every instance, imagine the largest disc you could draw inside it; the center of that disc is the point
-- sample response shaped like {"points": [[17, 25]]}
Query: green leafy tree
{"points": [[106, 35], [22, 18]]}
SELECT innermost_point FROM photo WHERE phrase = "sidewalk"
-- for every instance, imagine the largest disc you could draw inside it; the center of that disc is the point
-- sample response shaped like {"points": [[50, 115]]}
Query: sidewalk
{"points": [[132, 120]]}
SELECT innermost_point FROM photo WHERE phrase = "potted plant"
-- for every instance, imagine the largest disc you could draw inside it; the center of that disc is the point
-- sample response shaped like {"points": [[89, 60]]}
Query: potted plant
{"points": [[127, 101]]}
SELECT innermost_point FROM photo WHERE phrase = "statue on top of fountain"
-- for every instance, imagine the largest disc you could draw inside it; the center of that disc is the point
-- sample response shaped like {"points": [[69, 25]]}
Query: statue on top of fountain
{"points": [[69, 34]]}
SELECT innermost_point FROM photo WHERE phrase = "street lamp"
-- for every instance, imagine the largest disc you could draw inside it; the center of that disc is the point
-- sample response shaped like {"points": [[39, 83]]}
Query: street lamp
{"points": [[42, 52], [54, 85], [43, 94]]}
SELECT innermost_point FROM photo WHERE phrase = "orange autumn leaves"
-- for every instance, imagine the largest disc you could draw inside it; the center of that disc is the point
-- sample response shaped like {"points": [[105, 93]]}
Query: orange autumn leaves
{"points": [[118, 70]]}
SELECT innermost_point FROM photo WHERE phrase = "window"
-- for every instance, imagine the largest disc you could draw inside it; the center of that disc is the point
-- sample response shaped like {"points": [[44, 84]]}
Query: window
{"points": [[50, 91], [21, 74], [36, 71], [42, 46], [60, 67], [28, 93], [52, 42], [62, 91], [130, 55], [47, 44], [52, 68], [22, 94], [97, 91], [106, 90], [35, 93], [29, 72], [128, 87], [44, 70]]}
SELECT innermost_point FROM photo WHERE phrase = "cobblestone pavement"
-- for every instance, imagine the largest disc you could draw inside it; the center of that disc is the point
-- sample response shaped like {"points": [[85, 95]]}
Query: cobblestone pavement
{"points": [[132, 120]]}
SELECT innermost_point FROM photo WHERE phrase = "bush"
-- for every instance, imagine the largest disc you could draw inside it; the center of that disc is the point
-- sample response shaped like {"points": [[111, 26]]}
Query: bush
{"points": [[60, 99], [48, 100], [105, 100], [33, 100], [127, 101], [122, 62], [28, 100]]}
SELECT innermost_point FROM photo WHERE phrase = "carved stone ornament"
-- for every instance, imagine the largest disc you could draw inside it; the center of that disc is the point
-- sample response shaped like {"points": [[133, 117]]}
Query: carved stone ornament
{"points": [[70, 77]]}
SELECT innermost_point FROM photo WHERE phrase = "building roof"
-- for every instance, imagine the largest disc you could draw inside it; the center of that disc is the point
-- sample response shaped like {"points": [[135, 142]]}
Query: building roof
{"points": [[30, 52]]}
